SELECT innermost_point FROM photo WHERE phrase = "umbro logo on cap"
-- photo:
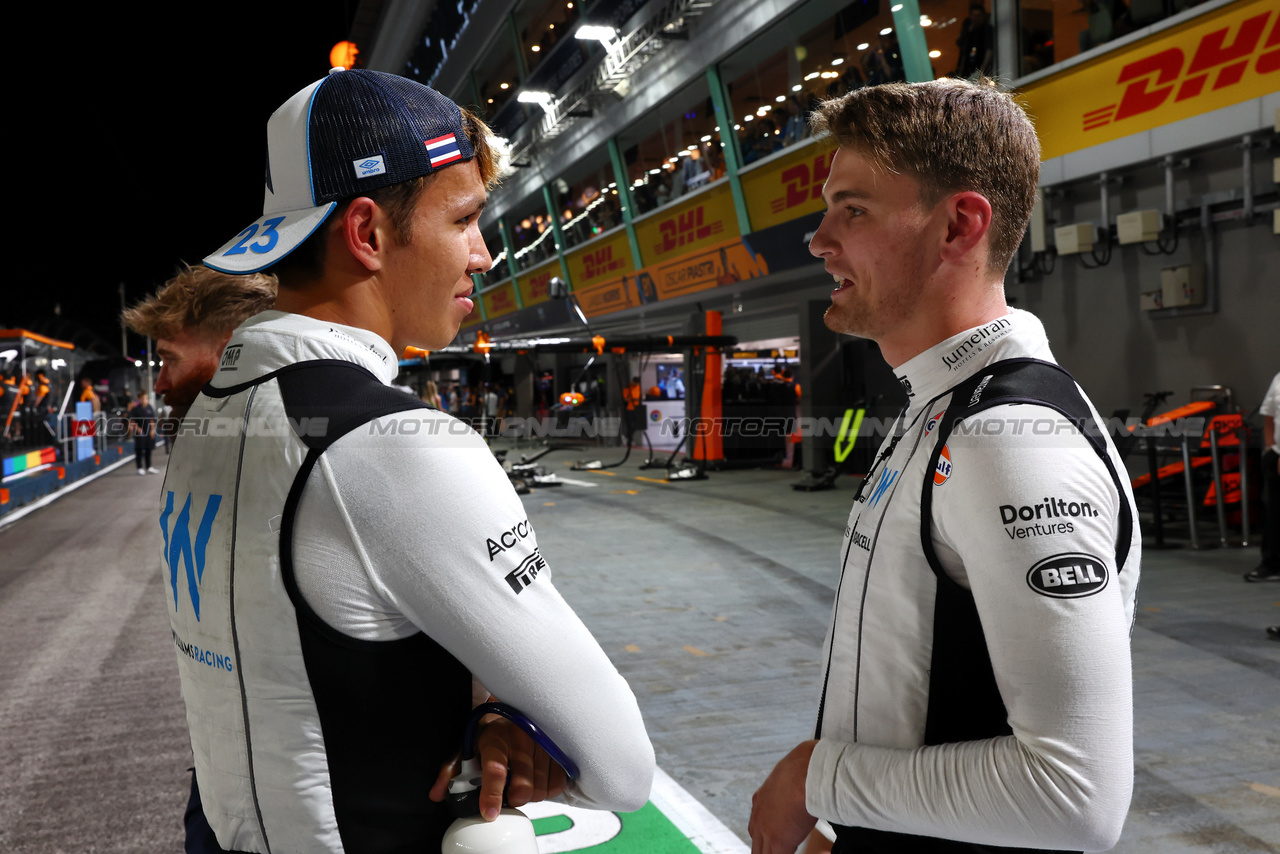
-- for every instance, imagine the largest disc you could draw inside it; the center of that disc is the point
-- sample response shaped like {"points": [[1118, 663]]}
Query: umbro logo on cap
{"points": [[367, 167]]}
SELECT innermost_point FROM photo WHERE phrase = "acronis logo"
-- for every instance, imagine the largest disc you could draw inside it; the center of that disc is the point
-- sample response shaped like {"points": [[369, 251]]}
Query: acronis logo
{"points": [[180, 549]]}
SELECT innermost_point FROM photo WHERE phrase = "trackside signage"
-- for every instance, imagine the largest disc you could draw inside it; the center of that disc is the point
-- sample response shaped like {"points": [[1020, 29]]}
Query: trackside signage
{"points": [[789, 187], [1213, 61]]}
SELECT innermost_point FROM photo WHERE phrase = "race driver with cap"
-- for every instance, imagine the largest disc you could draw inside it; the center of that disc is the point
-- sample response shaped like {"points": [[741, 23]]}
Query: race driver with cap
{"points": [[342, 563], [978, 694]]}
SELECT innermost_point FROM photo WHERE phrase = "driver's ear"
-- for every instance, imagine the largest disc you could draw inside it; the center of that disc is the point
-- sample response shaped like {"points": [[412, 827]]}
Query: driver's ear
{"points": [[364, 232], [968, 221]]}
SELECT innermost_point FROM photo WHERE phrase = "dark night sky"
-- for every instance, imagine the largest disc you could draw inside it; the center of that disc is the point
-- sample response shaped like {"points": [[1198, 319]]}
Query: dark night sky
{"points": [[154, 118]]}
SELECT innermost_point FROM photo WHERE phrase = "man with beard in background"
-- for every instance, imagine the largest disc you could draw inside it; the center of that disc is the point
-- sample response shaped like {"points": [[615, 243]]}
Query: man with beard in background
{"points": [[191, 318]]}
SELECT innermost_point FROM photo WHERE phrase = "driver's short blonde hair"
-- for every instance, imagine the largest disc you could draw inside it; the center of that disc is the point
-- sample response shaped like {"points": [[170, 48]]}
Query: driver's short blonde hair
{"points": [[948, 135]]}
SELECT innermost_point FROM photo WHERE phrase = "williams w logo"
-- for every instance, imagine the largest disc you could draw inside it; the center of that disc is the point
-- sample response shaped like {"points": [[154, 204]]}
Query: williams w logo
{"points": [[179, 549]]}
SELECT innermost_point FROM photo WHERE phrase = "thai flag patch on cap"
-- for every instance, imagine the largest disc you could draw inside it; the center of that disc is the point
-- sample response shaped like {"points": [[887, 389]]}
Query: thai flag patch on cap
{"points": [[443, 149], [368, 166]]}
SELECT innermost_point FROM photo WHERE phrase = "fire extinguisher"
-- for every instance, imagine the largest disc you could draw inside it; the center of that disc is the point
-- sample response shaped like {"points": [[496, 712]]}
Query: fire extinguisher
{"points": [[512, 831]]}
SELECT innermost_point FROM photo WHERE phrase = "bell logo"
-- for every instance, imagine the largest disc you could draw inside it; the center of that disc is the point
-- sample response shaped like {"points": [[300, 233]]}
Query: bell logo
{"points": [[803, 182], [1221, 55], [179, 549], [1068, 576]]}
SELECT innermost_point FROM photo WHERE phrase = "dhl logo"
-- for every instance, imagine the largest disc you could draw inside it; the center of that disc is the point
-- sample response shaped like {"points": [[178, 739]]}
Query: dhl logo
{"points": [[804, 182], [1153, 79], [600, 261], [684, 228], [538, 285], [501, 300]]}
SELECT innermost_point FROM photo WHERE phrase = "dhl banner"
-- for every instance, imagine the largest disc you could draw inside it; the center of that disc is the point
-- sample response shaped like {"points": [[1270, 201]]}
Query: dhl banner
{"points": [[499, 301], [788, 187], [533, 284], [1213, 61], [602, 261], [706, 220]]}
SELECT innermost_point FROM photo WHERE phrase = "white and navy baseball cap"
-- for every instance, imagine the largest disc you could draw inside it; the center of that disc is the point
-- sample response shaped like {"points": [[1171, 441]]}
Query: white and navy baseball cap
{"points": [[343, 136]]}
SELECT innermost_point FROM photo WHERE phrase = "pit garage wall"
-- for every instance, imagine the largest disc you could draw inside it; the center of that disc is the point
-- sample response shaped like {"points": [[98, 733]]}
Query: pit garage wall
{"points": [[1225, 86], [1119, 352]]}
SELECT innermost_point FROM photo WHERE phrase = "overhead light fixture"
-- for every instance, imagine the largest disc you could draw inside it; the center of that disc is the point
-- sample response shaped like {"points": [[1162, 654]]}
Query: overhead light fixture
{"points": [[504, 86], [684, 153], [748, 117], [886, 31], [707, 138], [814, 74], [535, 97], [837, 61], [590, 32], [717, 129], [612, 184], [654, 171], [535, 48], [780, 98], [926, 21], [796, 88], [862, 46], [934, 54], [896, 7], [672, 159]]}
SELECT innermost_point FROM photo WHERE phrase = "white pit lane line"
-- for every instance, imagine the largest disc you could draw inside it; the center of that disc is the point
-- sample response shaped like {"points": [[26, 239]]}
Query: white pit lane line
{"points": [[692, 818], [562, 479]]}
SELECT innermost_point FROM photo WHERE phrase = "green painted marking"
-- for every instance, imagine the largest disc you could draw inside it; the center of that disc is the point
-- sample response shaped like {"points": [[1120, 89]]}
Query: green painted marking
{"points": [[646, 831], [551, 824]]}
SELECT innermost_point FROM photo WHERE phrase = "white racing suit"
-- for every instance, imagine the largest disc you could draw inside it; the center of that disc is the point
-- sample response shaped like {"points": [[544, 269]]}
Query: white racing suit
{"points": [[984, 701], [340, 562]]}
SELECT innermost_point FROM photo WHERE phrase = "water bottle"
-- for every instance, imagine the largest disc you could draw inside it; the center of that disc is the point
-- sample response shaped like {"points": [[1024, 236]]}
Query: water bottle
{"points": [[512, 831]]}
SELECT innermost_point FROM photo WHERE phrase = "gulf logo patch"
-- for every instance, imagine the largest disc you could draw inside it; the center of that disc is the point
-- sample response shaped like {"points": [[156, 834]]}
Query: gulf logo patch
{"points": [[943, 470]]}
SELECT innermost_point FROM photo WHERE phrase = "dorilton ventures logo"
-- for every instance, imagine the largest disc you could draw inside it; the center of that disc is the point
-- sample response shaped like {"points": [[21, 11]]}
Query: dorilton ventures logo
{"points": [[1048, 517], [1068, 576], [1222, 55], [1049, 508]]}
